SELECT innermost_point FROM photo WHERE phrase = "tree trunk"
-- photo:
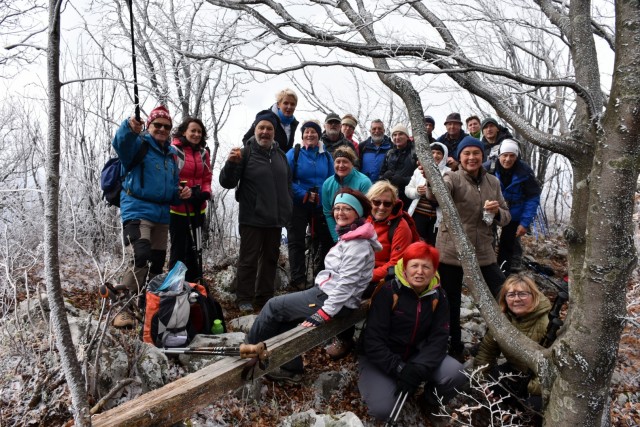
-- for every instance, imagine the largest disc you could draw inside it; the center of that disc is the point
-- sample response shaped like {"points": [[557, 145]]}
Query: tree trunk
{"points": [[61, 330]]}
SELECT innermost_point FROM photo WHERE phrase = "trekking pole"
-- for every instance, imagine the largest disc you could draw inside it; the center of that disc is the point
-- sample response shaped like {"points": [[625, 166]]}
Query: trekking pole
{"points": [[244, 351], [395, 412], [136, 98], [191, 236]]}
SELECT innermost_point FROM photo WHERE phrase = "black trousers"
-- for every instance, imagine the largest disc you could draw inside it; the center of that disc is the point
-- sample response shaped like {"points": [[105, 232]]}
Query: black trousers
{"points": [[321, 241], [182, 247], [257, 263], [509, 248], [425, 225], [451, 279]]}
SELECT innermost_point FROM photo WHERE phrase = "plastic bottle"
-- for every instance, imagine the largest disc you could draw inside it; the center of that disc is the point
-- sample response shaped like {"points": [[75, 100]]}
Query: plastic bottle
{"points": [[217, 327]]}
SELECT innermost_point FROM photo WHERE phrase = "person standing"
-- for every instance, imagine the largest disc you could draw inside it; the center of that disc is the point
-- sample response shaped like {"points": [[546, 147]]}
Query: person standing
{"points": [[147, 191], [310, 167], [492, 135], [348, 127], [478, 199], [261, 173], [452, 137], [332, 138], [186, 218], [285, 131], [400, 162], [374, 150], [522, 193], [473, 127]]}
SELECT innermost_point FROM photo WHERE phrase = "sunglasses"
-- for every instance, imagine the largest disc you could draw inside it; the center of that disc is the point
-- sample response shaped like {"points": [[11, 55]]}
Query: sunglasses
{"points": [[160, 125], [377, 203]]}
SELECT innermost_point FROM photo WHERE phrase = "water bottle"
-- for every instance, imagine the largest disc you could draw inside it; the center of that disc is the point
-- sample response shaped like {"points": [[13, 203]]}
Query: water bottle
{"points": [[217, 327]]}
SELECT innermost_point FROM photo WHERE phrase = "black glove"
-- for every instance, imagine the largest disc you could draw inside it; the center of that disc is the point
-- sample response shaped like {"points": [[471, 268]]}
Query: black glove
{"points": [[318, 318], [409, 379], [387, 175], [195, 193], [205, 196]]}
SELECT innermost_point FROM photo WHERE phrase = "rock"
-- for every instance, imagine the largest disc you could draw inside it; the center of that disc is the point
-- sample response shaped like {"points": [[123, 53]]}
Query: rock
{"points": [[326, 384], [242, 324], [225, 281], [78, 327], [311, 419], [114, 366], [194, 363], [152, 368]]}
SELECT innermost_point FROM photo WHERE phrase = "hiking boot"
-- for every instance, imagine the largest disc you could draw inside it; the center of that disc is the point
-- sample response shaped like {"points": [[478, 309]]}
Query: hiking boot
{"points": [[124, 319], [245, 307], [339, 348], [282, 375]]}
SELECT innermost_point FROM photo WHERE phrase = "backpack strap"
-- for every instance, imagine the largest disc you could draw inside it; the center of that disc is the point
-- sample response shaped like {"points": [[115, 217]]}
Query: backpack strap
{"points": [[138, 160], [296, 156], [393, 224]]}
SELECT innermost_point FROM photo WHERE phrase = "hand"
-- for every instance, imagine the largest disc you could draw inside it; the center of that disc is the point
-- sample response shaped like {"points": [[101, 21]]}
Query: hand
{"points": [[185, 192], [205, 196], [422, 190], [135, 125], [492, 206], [235, 156], [521, 231], [409, 379], [387, 175], [316, 319]]}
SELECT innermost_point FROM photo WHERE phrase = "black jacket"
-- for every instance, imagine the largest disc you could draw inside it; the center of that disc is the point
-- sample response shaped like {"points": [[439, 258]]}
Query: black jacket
{"points": [[280, 137], [413, 331], [503, 133], [452, 145], [398, 168], [330, 146], [263, 181]]}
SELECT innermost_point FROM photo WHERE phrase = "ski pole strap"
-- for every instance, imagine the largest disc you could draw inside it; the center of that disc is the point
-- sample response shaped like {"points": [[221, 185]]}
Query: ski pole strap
{"points": [[259, 356]]}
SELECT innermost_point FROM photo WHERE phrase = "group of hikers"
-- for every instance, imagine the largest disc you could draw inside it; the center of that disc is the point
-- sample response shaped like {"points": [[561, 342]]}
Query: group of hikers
{"points": [[375, 227]]}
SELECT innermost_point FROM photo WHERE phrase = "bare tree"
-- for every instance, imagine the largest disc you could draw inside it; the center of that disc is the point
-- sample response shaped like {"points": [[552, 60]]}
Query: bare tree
{"points": [[600, 143]]}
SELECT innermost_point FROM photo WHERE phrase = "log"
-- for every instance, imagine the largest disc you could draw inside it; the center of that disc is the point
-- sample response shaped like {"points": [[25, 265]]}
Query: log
{"points": [[184, 397]]}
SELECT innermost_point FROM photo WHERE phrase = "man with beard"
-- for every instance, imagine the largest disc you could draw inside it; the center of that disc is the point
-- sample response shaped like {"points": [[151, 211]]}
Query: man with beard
{"points": [[262, 178], [374, 150], [332, 137]]}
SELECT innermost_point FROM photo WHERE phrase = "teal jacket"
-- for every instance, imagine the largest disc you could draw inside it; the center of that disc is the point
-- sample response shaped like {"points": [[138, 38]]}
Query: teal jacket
{"points": [[355, 180]]}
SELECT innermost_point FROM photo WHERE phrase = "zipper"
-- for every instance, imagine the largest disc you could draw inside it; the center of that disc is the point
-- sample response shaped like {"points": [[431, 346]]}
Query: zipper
{"points": [[415, 329]]}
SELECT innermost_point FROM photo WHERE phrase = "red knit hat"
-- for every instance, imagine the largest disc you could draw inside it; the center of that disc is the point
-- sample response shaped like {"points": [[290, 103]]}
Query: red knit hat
{"points": [[421, 250], [159, 112]]}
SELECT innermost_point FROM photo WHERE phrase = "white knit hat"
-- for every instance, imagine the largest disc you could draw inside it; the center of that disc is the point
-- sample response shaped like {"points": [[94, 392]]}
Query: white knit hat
{"points": [[509, 146], [400, 128]]}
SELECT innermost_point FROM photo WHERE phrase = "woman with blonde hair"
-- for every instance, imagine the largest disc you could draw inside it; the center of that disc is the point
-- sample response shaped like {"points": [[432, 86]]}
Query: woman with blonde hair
{"points": [[284, 107], [527, 309]]}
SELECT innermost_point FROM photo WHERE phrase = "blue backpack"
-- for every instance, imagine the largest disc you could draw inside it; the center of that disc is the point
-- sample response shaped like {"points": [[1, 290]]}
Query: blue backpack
{"points": [[111, 178]]}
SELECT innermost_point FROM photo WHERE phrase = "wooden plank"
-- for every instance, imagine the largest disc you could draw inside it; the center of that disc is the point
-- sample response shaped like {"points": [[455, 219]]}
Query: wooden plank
{"points": [[187, 395]]}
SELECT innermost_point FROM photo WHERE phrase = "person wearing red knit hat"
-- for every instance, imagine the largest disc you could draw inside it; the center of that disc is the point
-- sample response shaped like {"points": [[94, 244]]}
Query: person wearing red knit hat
{"points": [[147, 193]]}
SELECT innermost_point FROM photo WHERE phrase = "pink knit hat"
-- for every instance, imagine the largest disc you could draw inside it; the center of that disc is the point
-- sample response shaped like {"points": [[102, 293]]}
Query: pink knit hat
{"points": [[159, 112]]}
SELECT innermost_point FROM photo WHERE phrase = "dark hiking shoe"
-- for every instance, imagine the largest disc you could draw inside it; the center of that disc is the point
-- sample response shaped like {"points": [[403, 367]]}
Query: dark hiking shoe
{"points": [[282, 375], [339, 348], [245, 307]]}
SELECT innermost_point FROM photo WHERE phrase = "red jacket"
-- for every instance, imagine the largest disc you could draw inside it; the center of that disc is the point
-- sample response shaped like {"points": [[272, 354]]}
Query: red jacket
{"points": [[193, 170], [391, 252]]}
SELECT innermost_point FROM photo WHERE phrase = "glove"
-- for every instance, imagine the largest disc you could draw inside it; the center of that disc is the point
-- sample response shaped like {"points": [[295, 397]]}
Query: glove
{"points": [[387, 175], [318, 318], [205, 196], [195, 193], [409, 379]]}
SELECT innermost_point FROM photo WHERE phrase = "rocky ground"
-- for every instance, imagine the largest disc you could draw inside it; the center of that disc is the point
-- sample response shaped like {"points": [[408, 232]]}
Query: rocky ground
{"points": [[33, 391]]}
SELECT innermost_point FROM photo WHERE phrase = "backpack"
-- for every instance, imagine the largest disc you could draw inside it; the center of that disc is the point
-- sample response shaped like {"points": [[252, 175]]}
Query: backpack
{"points": [[111, 177], [174, 318], [393, 224]]}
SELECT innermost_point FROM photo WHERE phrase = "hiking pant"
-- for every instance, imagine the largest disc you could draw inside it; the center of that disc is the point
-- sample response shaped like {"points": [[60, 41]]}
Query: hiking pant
{"points": [[182, 245], [296, 236], [378, 388], [284, 313], [149, 242], [257, 263], [509, 248], [451, 280], [425, 225]]}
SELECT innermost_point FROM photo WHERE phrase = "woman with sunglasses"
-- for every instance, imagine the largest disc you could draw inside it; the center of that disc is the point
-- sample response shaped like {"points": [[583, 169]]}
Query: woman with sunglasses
{"points": [[386, 209], [528, 310], [147, 192], [189, 140], [338, 288]]}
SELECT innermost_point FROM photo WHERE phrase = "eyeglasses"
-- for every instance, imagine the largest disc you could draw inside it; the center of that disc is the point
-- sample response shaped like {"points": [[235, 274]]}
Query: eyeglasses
{"points": [[521, 295], [160, 125], [345, 209], [383, 203]]}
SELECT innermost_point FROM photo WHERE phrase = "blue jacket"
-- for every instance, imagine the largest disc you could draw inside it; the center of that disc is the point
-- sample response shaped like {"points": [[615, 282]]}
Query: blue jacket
{"points": [[146, 195], [372, 157], [355, 180], [312, 170], [522, 194]]}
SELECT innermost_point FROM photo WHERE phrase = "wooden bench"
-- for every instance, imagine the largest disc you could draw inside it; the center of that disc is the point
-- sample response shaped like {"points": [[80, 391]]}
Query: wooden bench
{"points": [[186, 396]]}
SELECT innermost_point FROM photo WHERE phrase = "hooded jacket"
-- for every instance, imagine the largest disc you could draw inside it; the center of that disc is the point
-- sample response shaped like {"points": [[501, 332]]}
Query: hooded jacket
{"points": [[400, 164], [469, 195], [391, 252], [415, 330], [523, 192], [372, 157], [355, 180], [313, 167], [146, 195], [418, 179], [195, 168], [491, 150], [533, 325], [348, 268], [263, 183]]}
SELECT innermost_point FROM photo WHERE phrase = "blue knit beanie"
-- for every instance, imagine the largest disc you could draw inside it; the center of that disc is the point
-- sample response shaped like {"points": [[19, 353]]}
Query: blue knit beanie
{"points": [[313, 125], [469, 141]]}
